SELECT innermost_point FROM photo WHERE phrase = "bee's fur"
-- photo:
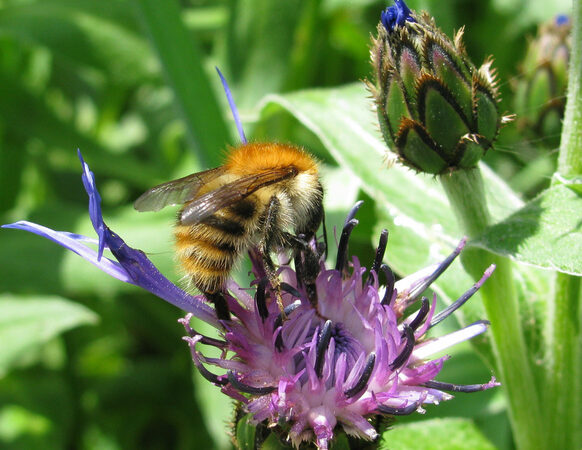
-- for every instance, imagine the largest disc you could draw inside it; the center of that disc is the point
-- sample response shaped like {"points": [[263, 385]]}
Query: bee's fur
{"points": [[278, 196]]}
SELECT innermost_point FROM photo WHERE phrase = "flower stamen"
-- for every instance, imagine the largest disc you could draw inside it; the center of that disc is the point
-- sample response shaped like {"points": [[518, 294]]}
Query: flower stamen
{"points": [[322, 346], [243, 387], [401, 359], [426, 282], [261, 300], [380, 250], [364, 377], [421, 315], [467, 388], [279, 321], [197, 360], [462, 299], [399, 411], [390, 291], [342, 249]]}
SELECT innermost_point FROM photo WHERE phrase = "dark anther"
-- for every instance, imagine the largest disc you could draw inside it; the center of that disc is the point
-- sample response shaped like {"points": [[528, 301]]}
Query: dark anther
{"points": [[389, 284], [342, 248], [461, 300], [279, 321], [321, 348], [323, 251], [307, 266], [286, 312], [401, 359], [242, 387], [213, 342], [207, 374], [439, 270], [353, 211], [364, 377], [421, 315], [468, 388], [398, 411], [261, 300], [379, 254], [220, 305], [290, 289]]}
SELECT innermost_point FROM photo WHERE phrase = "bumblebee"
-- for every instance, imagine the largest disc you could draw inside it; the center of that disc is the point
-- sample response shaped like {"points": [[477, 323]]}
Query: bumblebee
{"points": [[266, 196]]}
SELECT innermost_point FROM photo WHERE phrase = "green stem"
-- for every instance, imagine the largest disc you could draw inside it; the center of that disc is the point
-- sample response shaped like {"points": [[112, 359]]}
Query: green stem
{"points": [[564, 343], [570, 160], [465, 191], [562, 386]]}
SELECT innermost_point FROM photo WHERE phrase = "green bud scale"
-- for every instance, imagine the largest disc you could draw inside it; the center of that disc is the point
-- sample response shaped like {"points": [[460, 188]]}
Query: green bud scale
{"points": [[540, 96], [437, 111]]}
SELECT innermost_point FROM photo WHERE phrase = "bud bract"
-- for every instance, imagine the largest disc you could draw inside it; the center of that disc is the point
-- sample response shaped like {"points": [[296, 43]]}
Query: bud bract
{"points": [[541, 91], [437, 111]]}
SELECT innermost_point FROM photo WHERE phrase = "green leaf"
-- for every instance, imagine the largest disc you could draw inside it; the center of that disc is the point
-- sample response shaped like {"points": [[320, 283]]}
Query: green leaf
{"points": [[80, 39], [258, 65], [26, 323], [436, 434], [546, 232], [41, 121], [184, 68]]}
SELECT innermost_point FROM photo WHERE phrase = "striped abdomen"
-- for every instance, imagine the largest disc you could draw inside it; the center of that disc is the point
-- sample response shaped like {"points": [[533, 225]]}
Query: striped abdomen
{"points": [[207, 251]]}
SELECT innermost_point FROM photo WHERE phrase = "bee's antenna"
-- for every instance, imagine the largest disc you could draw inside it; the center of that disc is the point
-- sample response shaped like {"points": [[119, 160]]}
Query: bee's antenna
{"points": [[233, 109]]}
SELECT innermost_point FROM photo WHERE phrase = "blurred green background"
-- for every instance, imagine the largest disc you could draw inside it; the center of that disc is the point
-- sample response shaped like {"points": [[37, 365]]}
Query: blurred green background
{"points": [[89, 362]]}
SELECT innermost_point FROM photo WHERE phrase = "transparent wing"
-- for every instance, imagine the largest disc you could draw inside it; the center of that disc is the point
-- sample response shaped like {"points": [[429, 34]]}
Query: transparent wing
{"points": [[207, 204], [175, 192]]}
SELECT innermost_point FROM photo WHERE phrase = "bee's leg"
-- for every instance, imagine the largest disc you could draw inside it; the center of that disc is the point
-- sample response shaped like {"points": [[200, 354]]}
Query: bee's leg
{"points": [[220, 305], [267, 242], [306, 265]]}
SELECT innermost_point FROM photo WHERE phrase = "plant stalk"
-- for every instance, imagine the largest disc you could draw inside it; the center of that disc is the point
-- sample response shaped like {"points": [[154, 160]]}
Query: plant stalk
{"points": [[563, 340], [466, 194]]}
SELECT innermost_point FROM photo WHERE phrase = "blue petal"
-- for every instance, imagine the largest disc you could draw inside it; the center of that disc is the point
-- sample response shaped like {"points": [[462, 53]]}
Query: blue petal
{"points": [[74, 242], [232, 105], [562, 19], [144, 274], [396, 15], [132, 266], [94, 204]]}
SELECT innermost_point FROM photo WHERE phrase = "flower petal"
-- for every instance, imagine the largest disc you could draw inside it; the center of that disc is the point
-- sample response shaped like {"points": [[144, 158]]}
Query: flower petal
{"points": [[428, 348], [74, 243]]}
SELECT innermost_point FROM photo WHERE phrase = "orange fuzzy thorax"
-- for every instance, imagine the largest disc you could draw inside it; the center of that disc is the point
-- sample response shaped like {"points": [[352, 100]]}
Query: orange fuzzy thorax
{"points": [[255, 157]]}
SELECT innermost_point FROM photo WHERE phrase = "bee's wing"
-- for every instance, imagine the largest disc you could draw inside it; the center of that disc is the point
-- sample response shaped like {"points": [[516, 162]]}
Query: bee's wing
{"points": [[228, 194], [175, 192]]}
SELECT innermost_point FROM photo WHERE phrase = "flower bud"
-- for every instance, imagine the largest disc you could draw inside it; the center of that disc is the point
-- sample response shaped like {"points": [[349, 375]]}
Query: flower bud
{"points": [[540, 93], [437, 111]]}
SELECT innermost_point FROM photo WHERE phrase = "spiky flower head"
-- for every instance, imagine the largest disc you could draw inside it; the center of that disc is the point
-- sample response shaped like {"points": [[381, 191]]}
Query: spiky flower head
{"points": [[541, 91], [437, 111], [343, 352]]}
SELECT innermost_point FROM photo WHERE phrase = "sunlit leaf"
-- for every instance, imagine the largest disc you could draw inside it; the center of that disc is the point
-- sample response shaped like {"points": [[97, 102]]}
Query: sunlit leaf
{"points": [[546, 232], [26, 323]]}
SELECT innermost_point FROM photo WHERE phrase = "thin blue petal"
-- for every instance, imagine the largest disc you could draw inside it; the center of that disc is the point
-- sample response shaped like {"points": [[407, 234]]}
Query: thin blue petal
{"points": [[132, 266], [144, 274], [94, 204], [74, 243], [233, 109], [140, 269]]}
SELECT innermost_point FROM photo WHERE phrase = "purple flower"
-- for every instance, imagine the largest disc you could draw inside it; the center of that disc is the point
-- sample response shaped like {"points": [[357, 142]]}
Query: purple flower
{"points": [[342, 351], [396, 15]]}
